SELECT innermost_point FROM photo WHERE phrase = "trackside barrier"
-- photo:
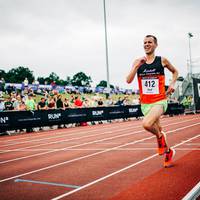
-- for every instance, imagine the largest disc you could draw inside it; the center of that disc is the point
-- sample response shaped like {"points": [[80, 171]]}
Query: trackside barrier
{"points": [[12, 120]]}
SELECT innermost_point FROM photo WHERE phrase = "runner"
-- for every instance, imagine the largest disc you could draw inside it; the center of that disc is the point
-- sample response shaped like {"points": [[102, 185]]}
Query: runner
{"points": [[153, 97]]}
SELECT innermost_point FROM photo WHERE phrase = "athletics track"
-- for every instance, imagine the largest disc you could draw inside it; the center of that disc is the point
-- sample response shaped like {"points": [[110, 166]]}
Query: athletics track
{"points": [[116, 161]]}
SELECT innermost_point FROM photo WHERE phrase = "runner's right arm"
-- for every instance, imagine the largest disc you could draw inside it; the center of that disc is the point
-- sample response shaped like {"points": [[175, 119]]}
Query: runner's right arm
{"points": [[137, 63]]}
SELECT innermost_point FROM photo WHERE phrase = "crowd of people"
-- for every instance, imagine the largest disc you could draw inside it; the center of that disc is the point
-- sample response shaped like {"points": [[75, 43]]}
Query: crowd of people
{"points": [[54, 100], [28, 99]]}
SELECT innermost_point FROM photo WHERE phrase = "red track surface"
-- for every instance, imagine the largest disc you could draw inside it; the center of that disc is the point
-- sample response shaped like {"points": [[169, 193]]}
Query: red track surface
{"points": [[110, 161]]}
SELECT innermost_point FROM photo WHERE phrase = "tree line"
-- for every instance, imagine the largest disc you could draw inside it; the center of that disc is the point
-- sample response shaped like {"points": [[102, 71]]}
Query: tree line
{"points": [[18, 74]]}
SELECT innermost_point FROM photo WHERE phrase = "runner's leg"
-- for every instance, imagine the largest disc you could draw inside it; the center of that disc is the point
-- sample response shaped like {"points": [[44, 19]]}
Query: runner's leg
{"points": [[151, 120]]}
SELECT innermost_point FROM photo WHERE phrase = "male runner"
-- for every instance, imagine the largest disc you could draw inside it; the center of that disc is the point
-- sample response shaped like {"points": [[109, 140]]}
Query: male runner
{"points": [[153, 97]]}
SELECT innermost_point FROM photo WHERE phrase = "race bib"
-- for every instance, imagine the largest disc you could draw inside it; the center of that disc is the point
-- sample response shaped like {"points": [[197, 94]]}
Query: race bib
{"points": [[150, 86]]}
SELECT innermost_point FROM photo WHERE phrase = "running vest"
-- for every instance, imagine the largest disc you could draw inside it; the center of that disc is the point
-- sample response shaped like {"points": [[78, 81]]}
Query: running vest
{"points": [[151, 81]]}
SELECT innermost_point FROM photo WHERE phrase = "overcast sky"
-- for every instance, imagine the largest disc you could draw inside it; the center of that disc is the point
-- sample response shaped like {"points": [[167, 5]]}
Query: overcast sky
{"points": [[67, 36]]}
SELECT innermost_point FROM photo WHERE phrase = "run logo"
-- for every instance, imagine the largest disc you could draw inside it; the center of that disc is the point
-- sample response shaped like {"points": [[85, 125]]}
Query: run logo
{"points": [[54, 116], [97, 112], [4, 120], [133, 110]]}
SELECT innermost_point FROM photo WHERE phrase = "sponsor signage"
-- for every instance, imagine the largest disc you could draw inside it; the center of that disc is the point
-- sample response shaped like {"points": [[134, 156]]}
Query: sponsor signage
{"points": [[198, 86], [28, 119], [54, 116]]}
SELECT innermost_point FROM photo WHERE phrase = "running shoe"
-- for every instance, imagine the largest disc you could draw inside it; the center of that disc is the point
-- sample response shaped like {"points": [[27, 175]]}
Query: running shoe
{"points": [[162, 145], [168, 157]]}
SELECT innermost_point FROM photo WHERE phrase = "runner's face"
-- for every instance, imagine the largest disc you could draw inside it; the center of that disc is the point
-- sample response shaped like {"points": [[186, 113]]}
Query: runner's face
{"points": [[149, 45]]}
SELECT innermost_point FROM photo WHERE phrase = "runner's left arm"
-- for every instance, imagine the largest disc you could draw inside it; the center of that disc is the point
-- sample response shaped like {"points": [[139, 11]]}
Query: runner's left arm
{"points": [[174, 72]]}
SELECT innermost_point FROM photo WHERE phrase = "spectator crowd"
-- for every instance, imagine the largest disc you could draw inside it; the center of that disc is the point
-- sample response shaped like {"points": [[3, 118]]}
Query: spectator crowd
{"points": [[28, 99]]}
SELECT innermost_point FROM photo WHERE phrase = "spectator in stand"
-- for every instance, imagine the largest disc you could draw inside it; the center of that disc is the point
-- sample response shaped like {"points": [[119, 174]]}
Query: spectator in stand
{"points": [[30, 103], [120, 102], [66, 103], [8, 104], [77, 102], [25, 86], [10, 88], [21, 106], [59, 105], [59, 102], [53, 85], [94, 101], [86, 103], [22, 88], [109, 101], [51, 103], [36, 85], [100, 102], [126, 100], [72, 99], [42, 105], [16, 102], [2, 106], [31, 106], [26, 83]]}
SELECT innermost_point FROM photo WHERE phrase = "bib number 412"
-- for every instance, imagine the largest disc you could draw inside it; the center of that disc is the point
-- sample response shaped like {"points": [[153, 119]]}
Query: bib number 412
{"points": [[150, 86]]}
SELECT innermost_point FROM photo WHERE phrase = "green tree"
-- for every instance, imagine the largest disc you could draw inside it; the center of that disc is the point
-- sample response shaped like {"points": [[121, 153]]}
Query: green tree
{"points": [[17, 75], [41, 80], [68, 80], [81, 79], [54, 77], [2, 74], [104, 84]]}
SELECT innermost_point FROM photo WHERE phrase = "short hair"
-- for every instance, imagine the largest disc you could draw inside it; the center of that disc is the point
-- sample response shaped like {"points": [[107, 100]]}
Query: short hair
{"points": [[154, 37]]}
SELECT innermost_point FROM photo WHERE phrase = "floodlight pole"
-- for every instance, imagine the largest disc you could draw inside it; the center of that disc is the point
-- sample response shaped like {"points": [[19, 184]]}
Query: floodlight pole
{"points": [[106, 46], [190, 54], [190, 35]]}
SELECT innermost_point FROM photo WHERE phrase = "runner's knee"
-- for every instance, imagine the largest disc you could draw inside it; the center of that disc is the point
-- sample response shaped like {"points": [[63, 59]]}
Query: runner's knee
{"points": [[147, 124]]}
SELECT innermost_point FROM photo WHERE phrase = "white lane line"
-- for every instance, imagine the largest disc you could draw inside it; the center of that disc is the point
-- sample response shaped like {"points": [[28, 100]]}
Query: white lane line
{"points": [[60, 141], [86, 143], [47, 183], [58, 135], [116, 172], [193, 144], [50, 133], [98, 149], [93, 154], [92, 142], [70, 161], [70, 130], [54, 137], [193, 194], [75, 138]]}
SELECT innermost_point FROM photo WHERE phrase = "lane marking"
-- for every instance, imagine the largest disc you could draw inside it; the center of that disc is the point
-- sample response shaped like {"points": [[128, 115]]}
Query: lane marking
{"points": [[122, 135], [193, 194], [72, 132], [117, 172], [59, 136], [96, 149], [46, 183], [193, 144], [63, 149], [55, 131], [91, 155], [75, 138]]}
